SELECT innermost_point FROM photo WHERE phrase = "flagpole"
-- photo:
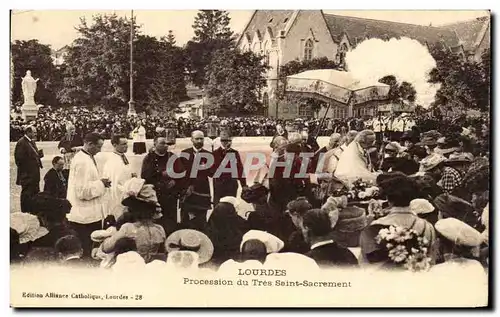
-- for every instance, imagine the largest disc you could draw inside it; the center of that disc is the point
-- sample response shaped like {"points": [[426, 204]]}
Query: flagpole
{"points": [[131, 103]]}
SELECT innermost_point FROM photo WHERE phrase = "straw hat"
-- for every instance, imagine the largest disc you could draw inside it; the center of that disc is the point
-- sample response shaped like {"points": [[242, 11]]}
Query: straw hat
{"points": [[459, 232], [27, 226], [432, 161], [190, 240], [421, 206]]}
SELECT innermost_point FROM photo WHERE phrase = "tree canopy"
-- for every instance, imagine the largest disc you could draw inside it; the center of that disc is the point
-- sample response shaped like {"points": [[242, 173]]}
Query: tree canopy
{"points": [[235, 80], [465, 84], [211, 33], [98, 66], [398, 92]]}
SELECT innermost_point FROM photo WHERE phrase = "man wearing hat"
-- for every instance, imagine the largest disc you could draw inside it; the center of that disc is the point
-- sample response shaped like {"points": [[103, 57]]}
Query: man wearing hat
{"points": [[197, 199], [454, 171], [459, 244], [432, 165], [429, 140], [28, 161], [226, 183]]}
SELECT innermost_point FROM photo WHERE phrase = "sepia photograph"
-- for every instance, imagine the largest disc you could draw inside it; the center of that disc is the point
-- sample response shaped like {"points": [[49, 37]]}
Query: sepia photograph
{"points": [[250, 158]]}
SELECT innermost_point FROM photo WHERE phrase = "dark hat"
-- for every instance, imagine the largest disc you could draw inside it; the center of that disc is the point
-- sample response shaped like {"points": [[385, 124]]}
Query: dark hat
{"points": [[477, 178], [300, 206], [352, 220], [396, 183], [318, 222], [254, 193], [430, 137], [51, 208], [459, 158], [409, 136], [455, 207], [198, 201]]}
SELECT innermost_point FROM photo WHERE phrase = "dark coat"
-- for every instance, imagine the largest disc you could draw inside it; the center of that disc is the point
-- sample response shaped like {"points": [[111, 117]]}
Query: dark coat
{"points": [[154, 165], [200, 183], [75, 141], [331, 255], [28, 161], [54, 186], [219, 155]]}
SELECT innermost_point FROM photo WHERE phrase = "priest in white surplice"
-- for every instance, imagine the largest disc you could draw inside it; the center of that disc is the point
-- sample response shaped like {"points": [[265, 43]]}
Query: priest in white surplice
{"points": [[355, 162], [85, 192], [118, 170]]}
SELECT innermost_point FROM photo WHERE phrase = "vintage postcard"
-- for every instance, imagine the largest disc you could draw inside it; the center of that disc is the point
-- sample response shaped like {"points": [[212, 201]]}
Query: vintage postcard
{"points": [[266, 158]]}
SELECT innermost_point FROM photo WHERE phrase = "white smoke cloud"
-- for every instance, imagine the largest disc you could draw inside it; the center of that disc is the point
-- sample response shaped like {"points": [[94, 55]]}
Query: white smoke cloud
{"points": [[406, 59]]}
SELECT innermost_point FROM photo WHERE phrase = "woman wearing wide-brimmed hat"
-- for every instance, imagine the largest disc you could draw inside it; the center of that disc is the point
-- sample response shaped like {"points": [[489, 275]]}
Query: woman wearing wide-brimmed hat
{"points": [[143, 206], [399, 191], [188, 248], [460, 245], [29, 230]]}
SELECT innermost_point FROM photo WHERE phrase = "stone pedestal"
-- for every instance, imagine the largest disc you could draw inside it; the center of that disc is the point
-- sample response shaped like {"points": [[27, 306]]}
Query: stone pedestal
{"points": [[131, 108], [29, 112]]}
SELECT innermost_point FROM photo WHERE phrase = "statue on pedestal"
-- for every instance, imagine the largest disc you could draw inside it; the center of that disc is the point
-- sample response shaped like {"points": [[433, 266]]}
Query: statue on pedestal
{"points": [[29, 108], [29, 89]]}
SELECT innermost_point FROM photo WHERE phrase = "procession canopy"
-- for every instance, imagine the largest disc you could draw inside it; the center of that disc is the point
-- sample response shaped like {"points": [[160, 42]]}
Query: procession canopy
{"points": [[330, 84]]}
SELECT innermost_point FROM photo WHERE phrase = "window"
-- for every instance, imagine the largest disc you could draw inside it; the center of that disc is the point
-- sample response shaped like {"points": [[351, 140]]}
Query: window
{"points": [[265, 104], [270, 20], [285, 20], [308, 50], [266, 59], [305, 111]]}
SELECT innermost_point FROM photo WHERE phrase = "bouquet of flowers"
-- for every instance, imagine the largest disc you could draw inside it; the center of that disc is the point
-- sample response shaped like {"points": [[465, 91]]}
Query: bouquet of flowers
{"points": [[405, 247], [359, 190], [362, 191]]}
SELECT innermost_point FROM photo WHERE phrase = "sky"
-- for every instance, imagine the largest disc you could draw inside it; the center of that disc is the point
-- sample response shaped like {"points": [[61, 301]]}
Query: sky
{"points": [[57, 28]]}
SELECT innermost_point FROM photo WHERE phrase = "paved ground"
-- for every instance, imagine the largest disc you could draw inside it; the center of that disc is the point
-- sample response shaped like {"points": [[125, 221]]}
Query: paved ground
{"points": [[243, 144]]}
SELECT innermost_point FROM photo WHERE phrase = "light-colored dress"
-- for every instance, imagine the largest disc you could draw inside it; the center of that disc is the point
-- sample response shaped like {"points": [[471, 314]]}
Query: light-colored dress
{"points": [[148, 238]]}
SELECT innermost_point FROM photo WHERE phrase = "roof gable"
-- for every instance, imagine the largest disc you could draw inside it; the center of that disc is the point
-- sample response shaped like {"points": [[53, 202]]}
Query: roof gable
{"points": [[271, 21], [367, 28], [468, 32]]}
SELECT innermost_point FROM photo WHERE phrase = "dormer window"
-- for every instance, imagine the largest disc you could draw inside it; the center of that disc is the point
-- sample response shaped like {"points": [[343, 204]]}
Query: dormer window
{"points": [[270, 20]]}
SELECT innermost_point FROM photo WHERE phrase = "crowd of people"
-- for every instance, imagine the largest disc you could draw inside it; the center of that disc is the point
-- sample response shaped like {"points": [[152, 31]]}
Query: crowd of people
{"points": [[414, 200]]}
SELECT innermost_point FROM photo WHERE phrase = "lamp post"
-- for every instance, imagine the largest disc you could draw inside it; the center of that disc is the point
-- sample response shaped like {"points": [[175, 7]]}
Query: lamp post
{"points": [[171, 132], [212, 127], [131, 103]]}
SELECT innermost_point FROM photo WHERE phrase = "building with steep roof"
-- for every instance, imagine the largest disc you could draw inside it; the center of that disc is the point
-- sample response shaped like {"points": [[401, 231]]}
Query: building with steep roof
{"points": [[286, 35]]}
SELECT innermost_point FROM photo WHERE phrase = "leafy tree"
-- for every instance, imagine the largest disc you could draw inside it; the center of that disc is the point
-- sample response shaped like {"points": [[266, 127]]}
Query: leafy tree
{"points": [[234, 81], [98, 66], [168, 87], [211, 33], [399, 92], [36, 57], [295, 67], [171, 38], [464, 83]]}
